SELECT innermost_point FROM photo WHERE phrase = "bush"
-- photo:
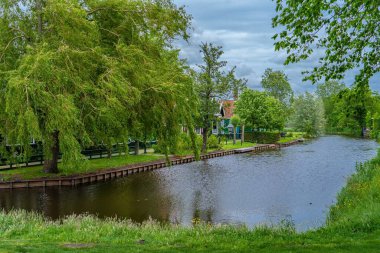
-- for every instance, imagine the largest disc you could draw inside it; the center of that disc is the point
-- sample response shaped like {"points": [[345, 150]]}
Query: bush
{"points": [[213, 142], [184, 142], [263, 137]]}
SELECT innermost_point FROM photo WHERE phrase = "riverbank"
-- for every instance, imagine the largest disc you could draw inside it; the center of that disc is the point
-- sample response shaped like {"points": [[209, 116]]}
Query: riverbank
{"points": [[123, 171], [352, 226]]}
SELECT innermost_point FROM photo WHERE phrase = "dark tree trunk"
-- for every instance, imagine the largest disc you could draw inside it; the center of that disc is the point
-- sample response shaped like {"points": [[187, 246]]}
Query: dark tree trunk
{"points": [[51, 161], [145, 143], [205, 136], [39, 6], [137, 147], [109, 152]]}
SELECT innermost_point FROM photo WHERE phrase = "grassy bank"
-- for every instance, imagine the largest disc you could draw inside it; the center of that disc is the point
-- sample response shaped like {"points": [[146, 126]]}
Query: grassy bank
{"points": [[100, 164], [353, 226], [26, 232], [291, 136], [91, 166]]}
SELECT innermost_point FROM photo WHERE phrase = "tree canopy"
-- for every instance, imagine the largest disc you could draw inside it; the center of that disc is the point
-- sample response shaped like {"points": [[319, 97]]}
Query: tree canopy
{"points": [[347, 31], [76, 73], [308, 114], [276, 83], [212, 84], [260, 110]]}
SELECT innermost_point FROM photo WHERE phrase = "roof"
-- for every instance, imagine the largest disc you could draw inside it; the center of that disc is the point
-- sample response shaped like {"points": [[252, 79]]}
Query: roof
{"points": [[228, 106]]}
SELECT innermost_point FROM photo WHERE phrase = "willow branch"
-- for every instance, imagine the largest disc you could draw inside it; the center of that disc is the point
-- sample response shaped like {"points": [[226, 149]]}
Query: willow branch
{"points": [[9, 43]]}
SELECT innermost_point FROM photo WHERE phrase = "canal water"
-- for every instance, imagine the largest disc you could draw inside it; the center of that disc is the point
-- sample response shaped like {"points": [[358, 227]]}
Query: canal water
{"points": [[295, 184]]}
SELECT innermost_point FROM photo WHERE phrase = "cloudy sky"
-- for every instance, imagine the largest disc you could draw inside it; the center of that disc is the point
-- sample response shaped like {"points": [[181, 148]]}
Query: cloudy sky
{"points": [[243, 28]]}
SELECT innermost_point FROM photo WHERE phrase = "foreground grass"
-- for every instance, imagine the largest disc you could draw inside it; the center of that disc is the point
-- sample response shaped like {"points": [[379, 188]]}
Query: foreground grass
{"points": [[28, 232], [352, 226], [90, 166]]}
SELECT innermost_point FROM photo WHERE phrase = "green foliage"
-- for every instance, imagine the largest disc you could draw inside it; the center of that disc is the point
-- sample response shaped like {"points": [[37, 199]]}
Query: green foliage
{"points": [[308, 114], [213, 143], [277, 85], [237, 85], [262, 137], [235, 120], [329, 88], [212, 83], [358, 204], [347, 31], [97, 72], [183, 146], [327, 92], [260, 110], [350, 110]]}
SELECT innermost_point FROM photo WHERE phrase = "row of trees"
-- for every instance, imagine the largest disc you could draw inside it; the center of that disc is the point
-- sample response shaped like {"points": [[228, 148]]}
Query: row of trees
{"points": [[76, 73], [349, 110]]}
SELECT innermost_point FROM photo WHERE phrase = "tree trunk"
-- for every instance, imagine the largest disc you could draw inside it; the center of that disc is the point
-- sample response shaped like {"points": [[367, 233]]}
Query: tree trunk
{"points": [[242, 134], [109, 152], [234, 142], [39, 6], [137, 147], [145, 143], [51, 161], [205, 135]]}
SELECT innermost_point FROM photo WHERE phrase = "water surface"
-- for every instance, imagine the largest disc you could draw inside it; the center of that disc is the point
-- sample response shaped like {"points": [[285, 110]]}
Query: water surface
{"points": [[296, 184]]}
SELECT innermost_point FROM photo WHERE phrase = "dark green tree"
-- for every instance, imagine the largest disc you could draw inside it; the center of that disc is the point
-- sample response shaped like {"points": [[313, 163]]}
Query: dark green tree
{"points": [[276, 83], [212, 84], [328, 91]]}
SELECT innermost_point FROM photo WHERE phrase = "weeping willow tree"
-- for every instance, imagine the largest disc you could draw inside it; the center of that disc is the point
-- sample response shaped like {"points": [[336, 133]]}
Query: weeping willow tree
{"points": [[75, 73]]}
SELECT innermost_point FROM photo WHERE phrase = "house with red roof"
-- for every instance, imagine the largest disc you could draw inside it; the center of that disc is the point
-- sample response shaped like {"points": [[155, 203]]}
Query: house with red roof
{"points": [[223, 125]]}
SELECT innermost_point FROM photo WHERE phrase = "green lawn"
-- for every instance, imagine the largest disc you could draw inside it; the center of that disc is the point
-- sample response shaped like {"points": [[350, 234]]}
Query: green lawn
{"points": [[238, 144], [90, 166]]}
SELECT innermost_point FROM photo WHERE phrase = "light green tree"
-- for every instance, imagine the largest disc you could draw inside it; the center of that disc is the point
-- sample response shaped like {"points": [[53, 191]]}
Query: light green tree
{"points": [[260, 110], [308, 114], [79, 73], [347, 31]]}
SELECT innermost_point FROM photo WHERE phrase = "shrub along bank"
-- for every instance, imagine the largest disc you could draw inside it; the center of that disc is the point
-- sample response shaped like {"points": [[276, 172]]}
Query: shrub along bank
{"points": [[353, 225]]}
